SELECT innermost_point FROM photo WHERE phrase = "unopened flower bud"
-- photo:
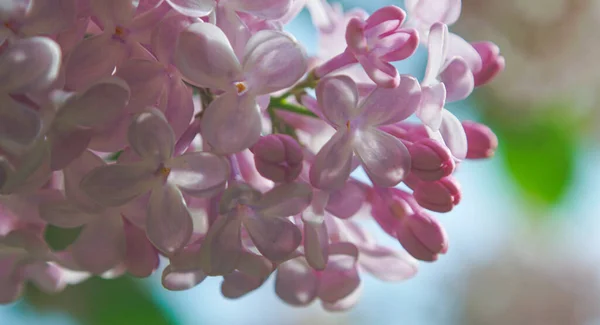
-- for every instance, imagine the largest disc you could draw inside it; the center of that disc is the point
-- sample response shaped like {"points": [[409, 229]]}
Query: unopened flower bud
{"points": [[422, 236], [278, 157], [430, 160], [482, 142], [492, 62], [438, 196], [399, 215]]}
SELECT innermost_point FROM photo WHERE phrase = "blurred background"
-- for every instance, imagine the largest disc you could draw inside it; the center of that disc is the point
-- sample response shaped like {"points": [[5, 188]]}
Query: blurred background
{"points": [[523, 241]]}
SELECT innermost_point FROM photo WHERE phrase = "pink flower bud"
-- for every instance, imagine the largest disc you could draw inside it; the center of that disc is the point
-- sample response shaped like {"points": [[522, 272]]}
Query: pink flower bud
{"points": [[278, 157], [399, 215], [492, 62], [482, 142], [438, 196], [430, 160], [422, 236]]}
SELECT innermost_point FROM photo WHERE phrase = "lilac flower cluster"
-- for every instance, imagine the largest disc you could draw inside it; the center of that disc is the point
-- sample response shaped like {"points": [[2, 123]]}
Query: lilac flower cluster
{"points": [[200, 131]]}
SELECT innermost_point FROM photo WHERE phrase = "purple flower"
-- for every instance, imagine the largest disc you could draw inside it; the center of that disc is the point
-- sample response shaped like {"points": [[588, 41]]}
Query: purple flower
{"points": [[272, 61], [264, 218], [166, 177], [385, 158], [374, 43]]}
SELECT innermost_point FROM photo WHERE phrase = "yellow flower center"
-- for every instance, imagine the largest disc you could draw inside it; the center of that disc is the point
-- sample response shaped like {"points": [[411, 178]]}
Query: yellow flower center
{"points": [[164, 171], [119, 31], [240, 87]]}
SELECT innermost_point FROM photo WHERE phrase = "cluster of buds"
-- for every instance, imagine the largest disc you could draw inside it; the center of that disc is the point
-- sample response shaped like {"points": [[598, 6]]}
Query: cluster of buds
{"points": [[201, 132]]}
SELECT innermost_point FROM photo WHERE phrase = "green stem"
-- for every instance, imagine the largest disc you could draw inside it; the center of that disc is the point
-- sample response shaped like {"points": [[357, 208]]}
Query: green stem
{"points": [[282, 105], [309, 82]]}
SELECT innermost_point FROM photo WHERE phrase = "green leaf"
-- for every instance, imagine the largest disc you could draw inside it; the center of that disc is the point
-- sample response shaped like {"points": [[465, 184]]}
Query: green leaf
{"points": [[97, 301], [60, 238], [538, 151]]}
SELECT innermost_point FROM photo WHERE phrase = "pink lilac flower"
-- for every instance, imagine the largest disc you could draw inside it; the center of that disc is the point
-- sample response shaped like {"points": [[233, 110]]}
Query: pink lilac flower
{"points": [[22, 18], [166, 177], [298, 284], [385, 158], [264, 218], [189, 129], [482, 141], [24, 256], [122, 29], [374, 43], [26, 65], [71, 120], [272, 61], [400, 216], [278, 157], [446, 79]]}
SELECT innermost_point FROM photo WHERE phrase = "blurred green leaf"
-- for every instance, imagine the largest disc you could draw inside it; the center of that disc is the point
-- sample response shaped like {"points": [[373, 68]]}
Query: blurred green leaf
{"points": [[60, 238], [97, 301], [538, 150]]}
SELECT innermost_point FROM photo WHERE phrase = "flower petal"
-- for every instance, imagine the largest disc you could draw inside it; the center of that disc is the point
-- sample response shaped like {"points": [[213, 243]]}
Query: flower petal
{"points": [[117, 184], [338, 100], [285, 200], [49, 17], [180, 106], [347, 201], [46, 276], [458, 79], [162, 39], [199, 173], [29, 64], [433, 99], [141, 257], [10, 289], [266, 9], [205, 57], [431, 11], [333, 164], [101, 244], [452, 134], [114, 12], [227, 113], [32, 172], [340, 277], [193, 8], [222, 246], [181, 280], [387, 264], [316, 243], [63, 214], [275, 238], [391, 105], [253, 271], [345, 303], [423, 237], [147, 81], [296, 282], [73, 174], [457, 46], [20, 125], [437, 48], [92, 59], [151, 136], [67, 145], [273, 61], [385, 158], [169, 224], [381, 72]]}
